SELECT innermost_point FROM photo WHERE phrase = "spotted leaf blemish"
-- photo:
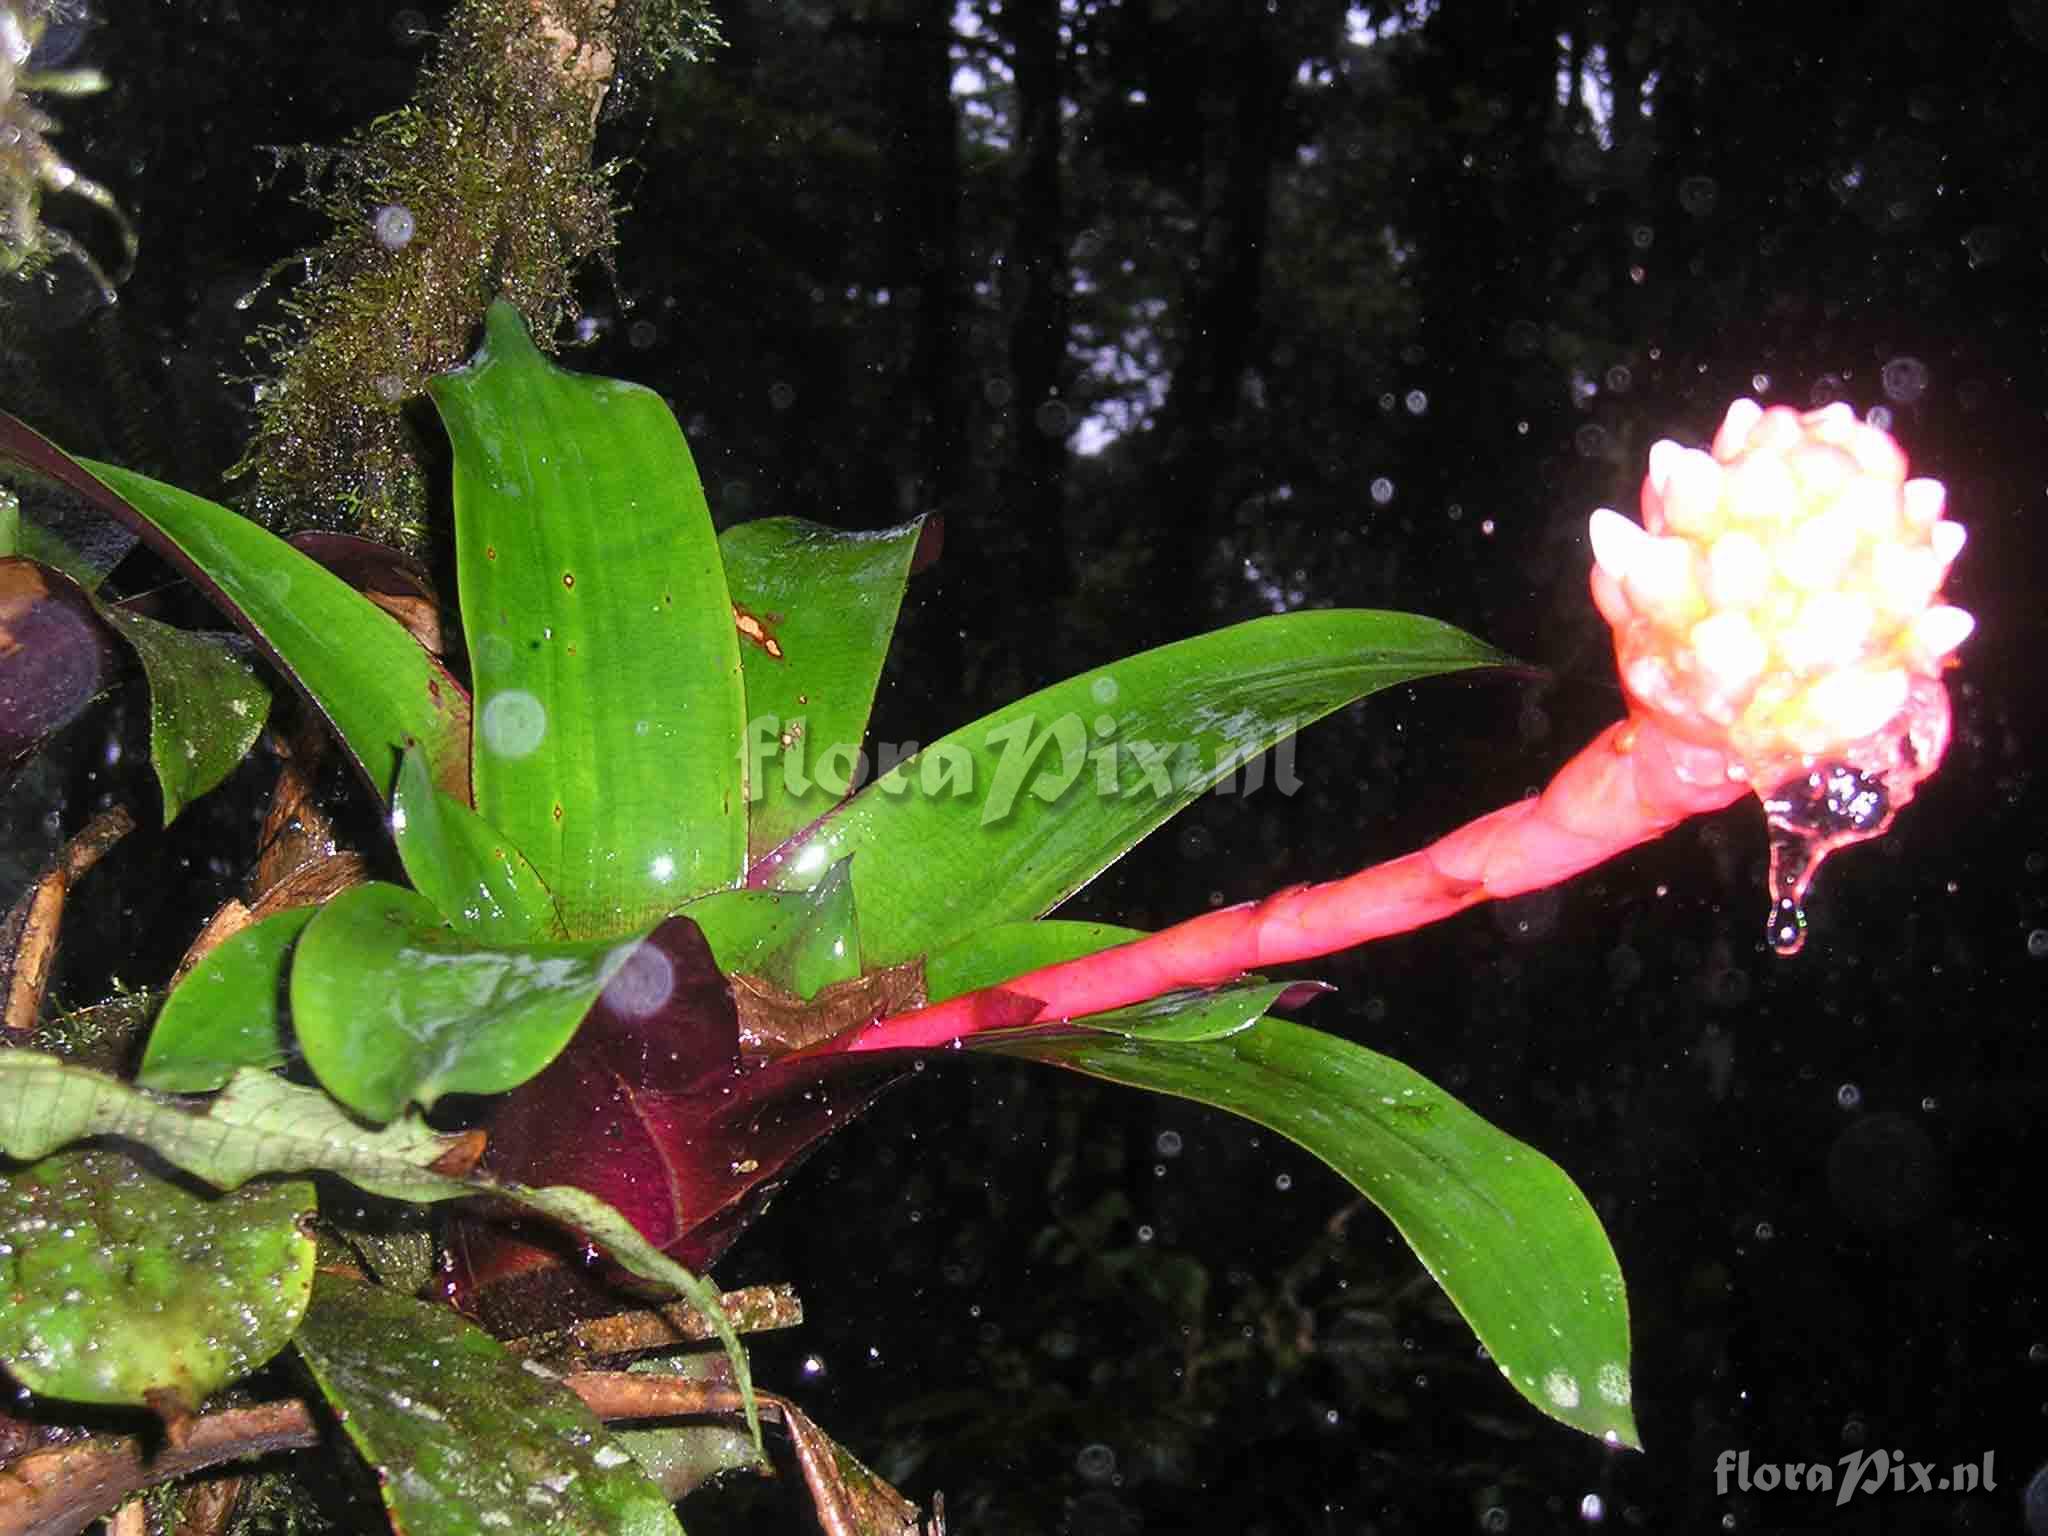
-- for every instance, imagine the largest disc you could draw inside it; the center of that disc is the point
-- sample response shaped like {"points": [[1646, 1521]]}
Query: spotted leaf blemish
{"points": [[753, 628]]}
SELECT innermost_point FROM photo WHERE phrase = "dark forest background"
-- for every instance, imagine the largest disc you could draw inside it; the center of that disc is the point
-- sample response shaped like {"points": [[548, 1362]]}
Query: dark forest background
{"points": [[1181, 311]]}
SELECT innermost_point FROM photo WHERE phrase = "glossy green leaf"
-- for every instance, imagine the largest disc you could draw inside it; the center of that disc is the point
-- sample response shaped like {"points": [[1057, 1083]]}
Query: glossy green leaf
{"points": [[817, 942], [997, 953], [1213, 1014], [206, 706], [465, 866], [1504, 1230], [1007, 817], [262, 1124], [816, 608], [463, 1437], [393, 1007], [368, 676], [228, 1012], [123, 1285], [607, 671]]}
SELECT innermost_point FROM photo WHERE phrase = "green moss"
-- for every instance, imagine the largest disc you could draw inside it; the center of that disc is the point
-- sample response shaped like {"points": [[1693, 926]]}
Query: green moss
{"points": [[488, 177]]}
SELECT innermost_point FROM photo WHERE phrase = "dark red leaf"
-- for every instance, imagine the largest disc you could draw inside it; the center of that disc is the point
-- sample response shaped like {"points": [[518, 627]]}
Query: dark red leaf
{"points": [[55, 655], [654, 1109]]}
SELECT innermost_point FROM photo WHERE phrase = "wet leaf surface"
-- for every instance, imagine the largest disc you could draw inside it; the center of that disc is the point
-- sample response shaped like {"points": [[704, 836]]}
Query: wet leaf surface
{"points": [[824, 604], [464, 865], [463, 1437], [1503, 1230], [1006, 817], [262, 1124], [55, 656], [354, 662], [654, 1109], [206, 705], [228, 1011], [393, 1007], [126, 1287], [607, 671]]}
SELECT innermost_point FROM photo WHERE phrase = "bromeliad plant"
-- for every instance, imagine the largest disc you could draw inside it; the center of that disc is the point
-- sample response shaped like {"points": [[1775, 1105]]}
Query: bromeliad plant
{"points": [[661, 940]]}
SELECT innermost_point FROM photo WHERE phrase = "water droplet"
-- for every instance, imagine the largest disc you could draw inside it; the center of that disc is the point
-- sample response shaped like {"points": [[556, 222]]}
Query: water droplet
{"points": [[1848, 1095], [2037, 944], [394, 226], [1592, 1509], [1382, 491], [1785, 928], [1096, 1462], [1169, 1143], [1904, 379], [1811, 815]]}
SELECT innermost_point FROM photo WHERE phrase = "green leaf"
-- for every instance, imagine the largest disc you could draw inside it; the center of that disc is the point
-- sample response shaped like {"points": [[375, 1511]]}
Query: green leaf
{"points": [[816, 941], [393, 1007], [464, 1438], [206, 706], [1506, 1233], [465, 866], [816, 610], [1211, 1014], [263, 1124], [800, 940], [123, 1285], [1007, 817], [1005, 950], [608, 695], [226, 1013], [355, 663]]}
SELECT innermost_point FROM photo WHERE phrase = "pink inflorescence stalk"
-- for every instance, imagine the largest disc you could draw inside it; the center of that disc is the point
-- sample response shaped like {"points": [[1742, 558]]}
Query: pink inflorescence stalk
{"points": [[1778, 623]]}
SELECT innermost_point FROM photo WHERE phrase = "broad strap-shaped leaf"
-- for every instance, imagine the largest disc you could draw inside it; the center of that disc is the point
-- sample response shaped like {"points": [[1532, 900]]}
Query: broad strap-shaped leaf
{"points": [[206, 706], [393, 1007], [1003, 819], [465, 1439], [353, 661], [124, 1287], [601, 639], [262, 1124], [226, 1014], [465, 866], [816, 608], [1504, 1230]]}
